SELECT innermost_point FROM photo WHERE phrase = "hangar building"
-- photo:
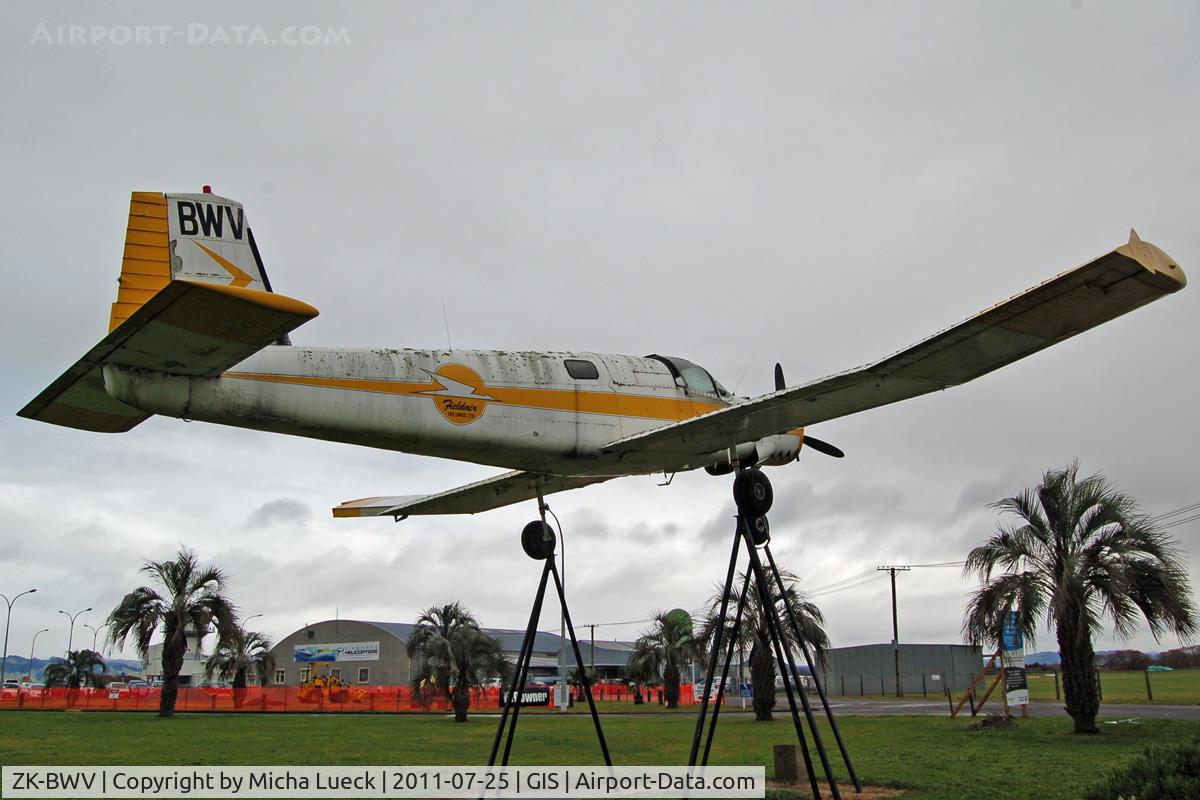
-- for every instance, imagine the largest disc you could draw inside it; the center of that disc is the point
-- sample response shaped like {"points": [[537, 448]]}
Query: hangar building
{"points": [[924, 669], [373, 653]]}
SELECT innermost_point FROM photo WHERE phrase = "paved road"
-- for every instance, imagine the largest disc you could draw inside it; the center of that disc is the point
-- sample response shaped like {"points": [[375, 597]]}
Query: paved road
{"points": [[1112, 711]]}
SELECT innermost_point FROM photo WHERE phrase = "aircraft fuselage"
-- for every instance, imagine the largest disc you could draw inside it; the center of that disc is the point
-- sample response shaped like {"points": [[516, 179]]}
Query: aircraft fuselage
{"points": [[538, 411]]}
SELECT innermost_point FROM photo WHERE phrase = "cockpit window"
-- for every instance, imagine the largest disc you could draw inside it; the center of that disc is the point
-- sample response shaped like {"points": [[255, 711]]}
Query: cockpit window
{"points": [[694, 377]]}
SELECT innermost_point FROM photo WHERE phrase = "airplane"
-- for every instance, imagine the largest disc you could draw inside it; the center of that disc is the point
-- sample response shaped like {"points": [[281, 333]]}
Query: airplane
{"points": [[198, 333]]}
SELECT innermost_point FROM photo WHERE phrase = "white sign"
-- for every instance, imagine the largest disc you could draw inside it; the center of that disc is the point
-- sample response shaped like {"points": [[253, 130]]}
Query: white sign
{"points": [[343, 651]]}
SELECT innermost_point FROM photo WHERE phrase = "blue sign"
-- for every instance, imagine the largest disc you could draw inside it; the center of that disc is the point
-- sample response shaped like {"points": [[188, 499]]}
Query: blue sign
{"points": [[746, 690], [1013, 640]]}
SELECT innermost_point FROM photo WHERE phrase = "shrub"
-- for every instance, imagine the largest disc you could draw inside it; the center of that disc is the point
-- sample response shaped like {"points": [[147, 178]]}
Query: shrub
{"points": [[1164, 772]]}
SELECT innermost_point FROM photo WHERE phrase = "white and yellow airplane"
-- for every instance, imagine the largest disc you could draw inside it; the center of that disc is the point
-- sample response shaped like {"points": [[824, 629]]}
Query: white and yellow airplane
{"points": [[197, 333]]}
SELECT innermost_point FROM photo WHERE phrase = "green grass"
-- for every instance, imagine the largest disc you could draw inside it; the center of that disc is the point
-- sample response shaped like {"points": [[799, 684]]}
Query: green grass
{"points": [[932, 757], [1180, 687]]}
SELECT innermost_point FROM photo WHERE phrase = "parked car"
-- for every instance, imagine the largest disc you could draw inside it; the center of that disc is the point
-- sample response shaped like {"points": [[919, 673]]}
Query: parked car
{"points": [[139, 688], [116, 688]]}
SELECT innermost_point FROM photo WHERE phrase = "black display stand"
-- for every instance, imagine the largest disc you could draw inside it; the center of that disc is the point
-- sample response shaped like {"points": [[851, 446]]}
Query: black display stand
{"points": [[752, 493], [538, 541]]}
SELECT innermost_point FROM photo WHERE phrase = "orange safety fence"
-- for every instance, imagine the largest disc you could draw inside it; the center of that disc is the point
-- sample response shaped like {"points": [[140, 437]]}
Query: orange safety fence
{"points": [[386, 699]]}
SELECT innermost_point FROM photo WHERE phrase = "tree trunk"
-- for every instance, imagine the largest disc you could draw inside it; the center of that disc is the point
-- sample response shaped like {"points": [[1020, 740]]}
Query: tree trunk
{"points": [[1079, 672], [460, 698], [174, 648], [762, 680], [671, 686], [239, 687]]}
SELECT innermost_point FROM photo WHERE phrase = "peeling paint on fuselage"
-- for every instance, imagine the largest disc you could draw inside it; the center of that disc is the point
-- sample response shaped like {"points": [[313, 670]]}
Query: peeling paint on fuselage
{"points": [[534, 415]]}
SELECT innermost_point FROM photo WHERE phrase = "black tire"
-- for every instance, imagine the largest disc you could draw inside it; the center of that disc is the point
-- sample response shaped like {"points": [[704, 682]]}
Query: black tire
{"points": [[538, 540], [760, 530], [752, 493]]}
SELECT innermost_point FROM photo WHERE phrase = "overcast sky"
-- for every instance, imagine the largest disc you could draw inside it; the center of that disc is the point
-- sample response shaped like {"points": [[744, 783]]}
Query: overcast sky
{"points": [[737, 184]]}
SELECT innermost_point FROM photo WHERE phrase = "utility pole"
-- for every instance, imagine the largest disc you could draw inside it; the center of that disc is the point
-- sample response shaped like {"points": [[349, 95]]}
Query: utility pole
{"points": [[592, 657], [893, 569]]}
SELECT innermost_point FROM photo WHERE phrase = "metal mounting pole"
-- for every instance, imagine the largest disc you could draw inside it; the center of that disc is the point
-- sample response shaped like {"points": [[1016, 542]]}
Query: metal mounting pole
{"points": [[787, 666], [817, 680], [513, 701], [716, 647]]}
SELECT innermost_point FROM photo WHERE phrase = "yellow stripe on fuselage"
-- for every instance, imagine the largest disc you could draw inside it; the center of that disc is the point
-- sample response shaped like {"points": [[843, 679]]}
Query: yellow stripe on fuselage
{"points": [[604, 403]]}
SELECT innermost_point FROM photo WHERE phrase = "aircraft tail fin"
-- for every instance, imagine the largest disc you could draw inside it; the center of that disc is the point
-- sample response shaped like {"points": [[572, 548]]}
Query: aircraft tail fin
{"points": [[203, 238], [193, 300]]}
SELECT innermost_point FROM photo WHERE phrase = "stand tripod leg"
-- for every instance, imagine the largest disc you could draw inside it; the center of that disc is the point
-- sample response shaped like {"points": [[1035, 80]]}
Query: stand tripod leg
{"points": [[716, 647], [733, 639], [587, 688], [522, 674], [773, 628], [799, 635]]}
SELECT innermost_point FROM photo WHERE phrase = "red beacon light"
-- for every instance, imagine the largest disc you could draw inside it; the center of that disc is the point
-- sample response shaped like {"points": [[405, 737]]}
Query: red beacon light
{"points": [[206, 189]]}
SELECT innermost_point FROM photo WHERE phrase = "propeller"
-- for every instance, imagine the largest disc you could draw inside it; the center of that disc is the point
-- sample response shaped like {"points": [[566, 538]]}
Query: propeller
{"points": [[809, 441]]}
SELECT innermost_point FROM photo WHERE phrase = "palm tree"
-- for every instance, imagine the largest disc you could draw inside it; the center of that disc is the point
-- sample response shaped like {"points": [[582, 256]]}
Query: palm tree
{"points": [[640, 672], [191, 599], [666, 647], [239, 652], [1078, 552], [455, 656], [79, 668], [753, 633]]}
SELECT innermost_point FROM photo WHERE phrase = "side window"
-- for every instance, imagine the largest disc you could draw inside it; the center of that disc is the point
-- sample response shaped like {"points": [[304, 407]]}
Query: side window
{"points": [[364, 675], [581, 370], [280, 675], [336, 672]]}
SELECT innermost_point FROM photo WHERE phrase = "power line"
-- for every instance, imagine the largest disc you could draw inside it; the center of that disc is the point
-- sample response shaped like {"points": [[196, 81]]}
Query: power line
{"points": [[1175, 523], [1182, 510], [858, 585]]}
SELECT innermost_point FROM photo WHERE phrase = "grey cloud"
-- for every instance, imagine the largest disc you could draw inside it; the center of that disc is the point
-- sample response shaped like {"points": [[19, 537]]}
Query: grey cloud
{"points": [[702, 184], [283, 511]]}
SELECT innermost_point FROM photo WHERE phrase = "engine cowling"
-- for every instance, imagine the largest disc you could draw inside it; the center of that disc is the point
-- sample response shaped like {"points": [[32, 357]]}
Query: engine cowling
{"points": [[770, 451]]}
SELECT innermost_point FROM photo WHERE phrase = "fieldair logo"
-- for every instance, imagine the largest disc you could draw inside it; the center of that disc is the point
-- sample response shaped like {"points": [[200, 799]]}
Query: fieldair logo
{"points": [[458, 395]]}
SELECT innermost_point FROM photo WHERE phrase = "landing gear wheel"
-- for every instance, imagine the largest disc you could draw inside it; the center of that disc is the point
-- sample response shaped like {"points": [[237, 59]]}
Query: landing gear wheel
{"points": [[760, 530], [752, 492], [537, 540]]}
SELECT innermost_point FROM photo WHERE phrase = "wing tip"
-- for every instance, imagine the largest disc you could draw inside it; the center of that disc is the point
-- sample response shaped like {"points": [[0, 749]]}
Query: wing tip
{"points": [[1154, 260]]}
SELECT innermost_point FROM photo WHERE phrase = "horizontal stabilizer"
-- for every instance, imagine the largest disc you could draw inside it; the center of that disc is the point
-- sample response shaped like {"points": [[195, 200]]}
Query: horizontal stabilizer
{"points": [[192, 329], [502, 490]]}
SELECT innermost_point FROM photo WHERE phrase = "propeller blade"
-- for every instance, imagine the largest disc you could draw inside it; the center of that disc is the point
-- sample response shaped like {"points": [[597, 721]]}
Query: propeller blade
{"points": [[779, 384], [823, 447]]}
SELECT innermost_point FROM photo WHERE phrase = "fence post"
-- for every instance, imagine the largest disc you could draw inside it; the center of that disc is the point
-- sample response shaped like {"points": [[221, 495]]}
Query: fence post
{"points": [[843, 685], [1056, 695], [1099, 687], [1149, 694], [882, 690], [861, 690], [924, 688]]}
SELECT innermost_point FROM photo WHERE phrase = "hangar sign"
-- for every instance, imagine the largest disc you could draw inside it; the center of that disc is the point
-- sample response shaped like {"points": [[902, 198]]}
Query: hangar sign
{"points": [[1016, 686], [344, 651]]}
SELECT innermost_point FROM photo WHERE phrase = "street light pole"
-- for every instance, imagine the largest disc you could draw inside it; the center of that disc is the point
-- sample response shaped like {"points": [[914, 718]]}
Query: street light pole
{"points": [[94, 632], [7, 622], [71, 636], [31, 646]]}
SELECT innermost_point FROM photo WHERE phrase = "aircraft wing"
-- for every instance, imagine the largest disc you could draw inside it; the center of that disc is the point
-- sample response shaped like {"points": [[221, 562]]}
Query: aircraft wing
{"points": [[1119, 281], [501, 490]]}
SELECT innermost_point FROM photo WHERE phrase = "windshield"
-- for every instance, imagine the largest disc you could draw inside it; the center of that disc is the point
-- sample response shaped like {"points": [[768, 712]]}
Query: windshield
{"points": [[695, 377]]}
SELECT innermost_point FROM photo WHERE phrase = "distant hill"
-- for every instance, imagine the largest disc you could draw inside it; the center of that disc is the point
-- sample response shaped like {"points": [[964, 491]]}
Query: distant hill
{"points": [[1051, 657], [19, 665]]}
